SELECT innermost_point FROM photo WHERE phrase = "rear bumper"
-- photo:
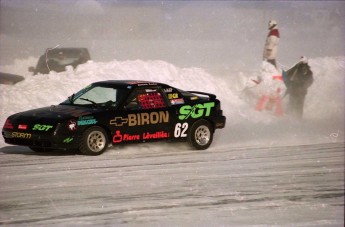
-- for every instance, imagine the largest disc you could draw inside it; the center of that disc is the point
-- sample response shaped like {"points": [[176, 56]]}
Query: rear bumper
{"points": [[220, 122]]}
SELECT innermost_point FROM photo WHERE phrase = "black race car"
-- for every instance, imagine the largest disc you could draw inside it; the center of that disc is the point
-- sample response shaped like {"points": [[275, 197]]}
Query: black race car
{"points": [[118, 112]]}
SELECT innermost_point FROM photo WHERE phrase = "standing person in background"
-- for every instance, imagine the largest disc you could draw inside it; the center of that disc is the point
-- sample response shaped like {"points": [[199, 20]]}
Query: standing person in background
{"points": [[269, 97], [271, 45], [298, 80]]}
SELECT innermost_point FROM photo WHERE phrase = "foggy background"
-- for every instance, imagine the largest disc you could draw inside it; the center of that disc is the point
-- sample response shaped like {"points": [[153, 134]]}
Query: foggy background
{"points": [[219, 36]]}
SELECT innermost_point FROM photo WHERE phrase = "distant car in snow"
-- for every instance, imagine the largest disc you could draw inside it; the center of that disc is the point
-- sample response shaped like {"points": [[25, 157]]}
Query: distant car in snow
{"points": [[8, 78], [56, 59], [117, 112]]}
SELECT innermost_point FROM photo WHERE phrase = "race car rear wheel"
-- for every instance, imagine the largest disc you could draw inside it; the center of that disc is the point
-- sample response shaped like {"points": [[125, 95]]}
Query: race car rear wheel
{"points": [[201, 135], [94, 141]]}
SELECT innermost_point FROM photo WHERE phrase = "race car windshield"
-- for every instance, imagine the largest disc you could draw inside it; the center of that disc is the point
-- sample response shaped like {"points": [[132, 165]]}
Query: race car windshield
{"points": [[96, 96]]}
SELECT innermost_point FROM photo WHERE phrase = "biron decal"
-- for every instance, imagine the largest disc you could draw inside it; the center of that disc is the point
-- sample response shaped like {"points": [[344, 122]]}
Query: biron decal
{"points": [[142, 119]]}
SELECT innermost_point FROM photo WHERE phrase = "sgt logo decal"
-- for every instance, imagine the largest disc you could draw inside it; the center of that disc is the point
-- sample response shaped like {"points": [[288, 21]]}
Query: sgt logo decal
{"points": [[196, 111], [42, 127]]}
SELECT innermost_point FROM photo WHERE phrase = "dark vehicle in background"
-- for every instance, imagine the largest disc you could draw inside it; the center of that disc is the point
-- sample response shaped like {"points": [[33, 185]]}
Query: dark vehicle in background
{"points": [[118, 112], [8, 78], [56, 59]]}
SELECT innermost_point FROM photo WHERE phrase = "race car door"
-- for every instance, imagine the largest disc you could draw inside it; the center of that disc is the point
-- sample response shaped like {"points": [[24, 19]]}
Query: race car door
{"points": [[146, 117]]}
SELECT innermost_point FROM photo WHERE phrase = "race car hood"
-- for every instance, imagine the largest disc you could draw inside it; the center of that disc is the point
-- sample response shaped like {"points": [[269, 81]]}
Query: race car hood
{"points": [[53, 113]]}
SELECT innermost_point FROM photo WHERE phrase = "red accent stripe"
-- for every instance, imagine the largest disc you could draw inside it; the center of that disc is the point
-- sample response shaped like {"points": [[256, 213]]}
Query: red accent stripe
{"points": [[277, 77]]}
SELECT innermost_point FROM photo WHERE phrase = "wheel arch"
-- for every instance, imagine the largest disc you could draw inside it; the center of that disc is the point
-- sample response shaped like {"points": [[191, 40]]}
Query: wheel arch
{"points": [[192, 136], [91, 142], [104, 127], [205, 119]]}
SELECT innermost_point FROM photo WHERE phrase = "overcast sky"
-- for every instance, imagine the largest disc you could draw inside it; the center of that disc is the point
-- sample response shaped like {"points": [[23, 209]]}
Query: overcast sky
{"points": [[225, 35]]}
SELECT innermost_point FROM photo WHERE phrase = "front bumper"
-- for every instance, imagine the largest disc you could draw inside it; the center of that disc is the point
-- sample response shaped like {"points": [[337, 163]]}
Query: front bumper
{"points": [[40, 140]]}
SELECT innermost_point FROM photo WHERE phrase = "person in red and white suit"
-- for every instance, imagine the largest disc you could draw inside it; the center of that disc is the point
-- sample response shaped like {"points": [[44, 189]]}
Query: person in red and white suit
{"points": [[271, 45]]}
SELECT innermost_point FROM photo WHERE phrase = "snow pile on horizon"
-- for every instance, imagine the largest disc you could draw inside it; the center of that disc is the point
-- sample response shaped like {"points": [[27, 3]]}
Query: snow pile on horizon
{"points": [[44, 90], [324, 109]]}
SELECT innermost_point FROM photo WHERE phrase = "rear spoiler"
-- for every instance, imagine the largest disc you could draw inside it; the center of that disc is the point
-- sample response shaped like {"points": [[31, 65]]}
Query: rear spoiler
{"points": [[211, 96]]}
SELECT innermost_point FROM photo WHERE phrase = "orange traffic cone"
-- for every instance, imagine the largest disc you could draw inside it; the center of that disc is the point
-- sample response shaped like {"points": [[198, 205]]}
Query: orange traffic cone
{"points": [[261, 103], [279, 107], [271, 102]]}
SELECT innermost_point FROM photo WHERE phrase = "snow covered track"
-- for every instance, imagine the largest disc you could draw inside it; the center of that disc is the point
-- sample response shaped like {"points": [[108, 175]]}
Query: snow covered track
{"points": [[157, 184]]}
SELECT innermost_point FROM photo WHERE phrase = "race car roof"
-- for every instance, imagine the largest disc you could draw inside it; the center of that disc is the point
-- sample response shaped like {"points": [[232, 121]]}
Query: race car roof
{"points": [[133, 83], [138, 83]]}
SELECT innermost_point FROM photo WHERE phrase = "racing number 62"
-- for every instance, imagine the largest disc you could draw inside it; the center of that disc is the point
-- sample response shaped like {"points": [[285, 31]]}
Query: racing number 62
{"points": [[180, 130]]}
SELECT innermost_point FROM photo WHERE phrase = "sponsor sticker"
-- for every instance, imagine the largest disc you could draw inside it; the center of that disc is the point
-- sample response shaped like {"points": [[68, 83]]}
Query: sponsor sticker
{"points": [[196, 111], [168, 90], [119, 137], [176, 101], [68, 140], [72, 125], [22, 127], [142, 119], [173, 96], [86, 120], [39, 127], [21, 135]]}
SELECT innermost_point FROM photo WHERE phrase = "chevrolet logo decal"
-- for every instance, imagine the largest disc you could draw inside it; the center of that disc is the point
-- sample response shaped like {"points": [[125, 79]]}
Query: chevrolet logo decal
{"points": [[119, 121]]}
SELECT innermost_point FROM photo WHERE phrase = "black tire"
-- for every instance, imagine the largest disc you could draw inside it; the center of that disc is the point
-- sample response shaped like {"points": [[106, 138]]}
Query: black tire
{"points": [[201, 135], [94, 141]]}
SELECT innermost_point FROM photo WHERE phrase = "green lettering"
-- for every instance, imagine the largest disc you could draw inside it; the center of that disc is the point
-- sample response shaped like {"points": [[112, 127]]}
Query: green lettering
{"points": [[198, 111], [208, 107], [184, 111]]}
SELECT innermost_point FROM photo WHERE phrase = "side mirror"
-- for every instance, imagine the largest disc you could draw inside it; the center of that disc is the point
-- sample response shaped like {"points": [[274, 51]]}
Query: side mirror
{"points": [[31, 69]]}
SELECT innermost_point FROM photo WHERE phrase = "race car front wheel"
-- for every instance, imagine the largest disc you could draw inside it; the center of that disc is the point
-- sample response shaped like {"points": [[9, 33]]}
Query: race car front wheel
{"points": [[94, 141], [201, 135]]}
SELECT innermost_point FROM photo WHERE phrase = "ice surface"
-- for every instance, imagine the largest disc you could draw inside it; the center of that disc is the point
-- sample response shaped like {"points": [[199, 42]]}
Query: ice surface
{"points": [[162, 185]]}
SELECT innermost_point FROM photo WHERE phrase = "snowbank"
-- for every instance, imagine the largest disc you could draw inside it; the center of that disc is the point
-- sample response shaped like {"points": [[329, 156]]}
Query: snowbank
{"points": [[324, 110]]}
